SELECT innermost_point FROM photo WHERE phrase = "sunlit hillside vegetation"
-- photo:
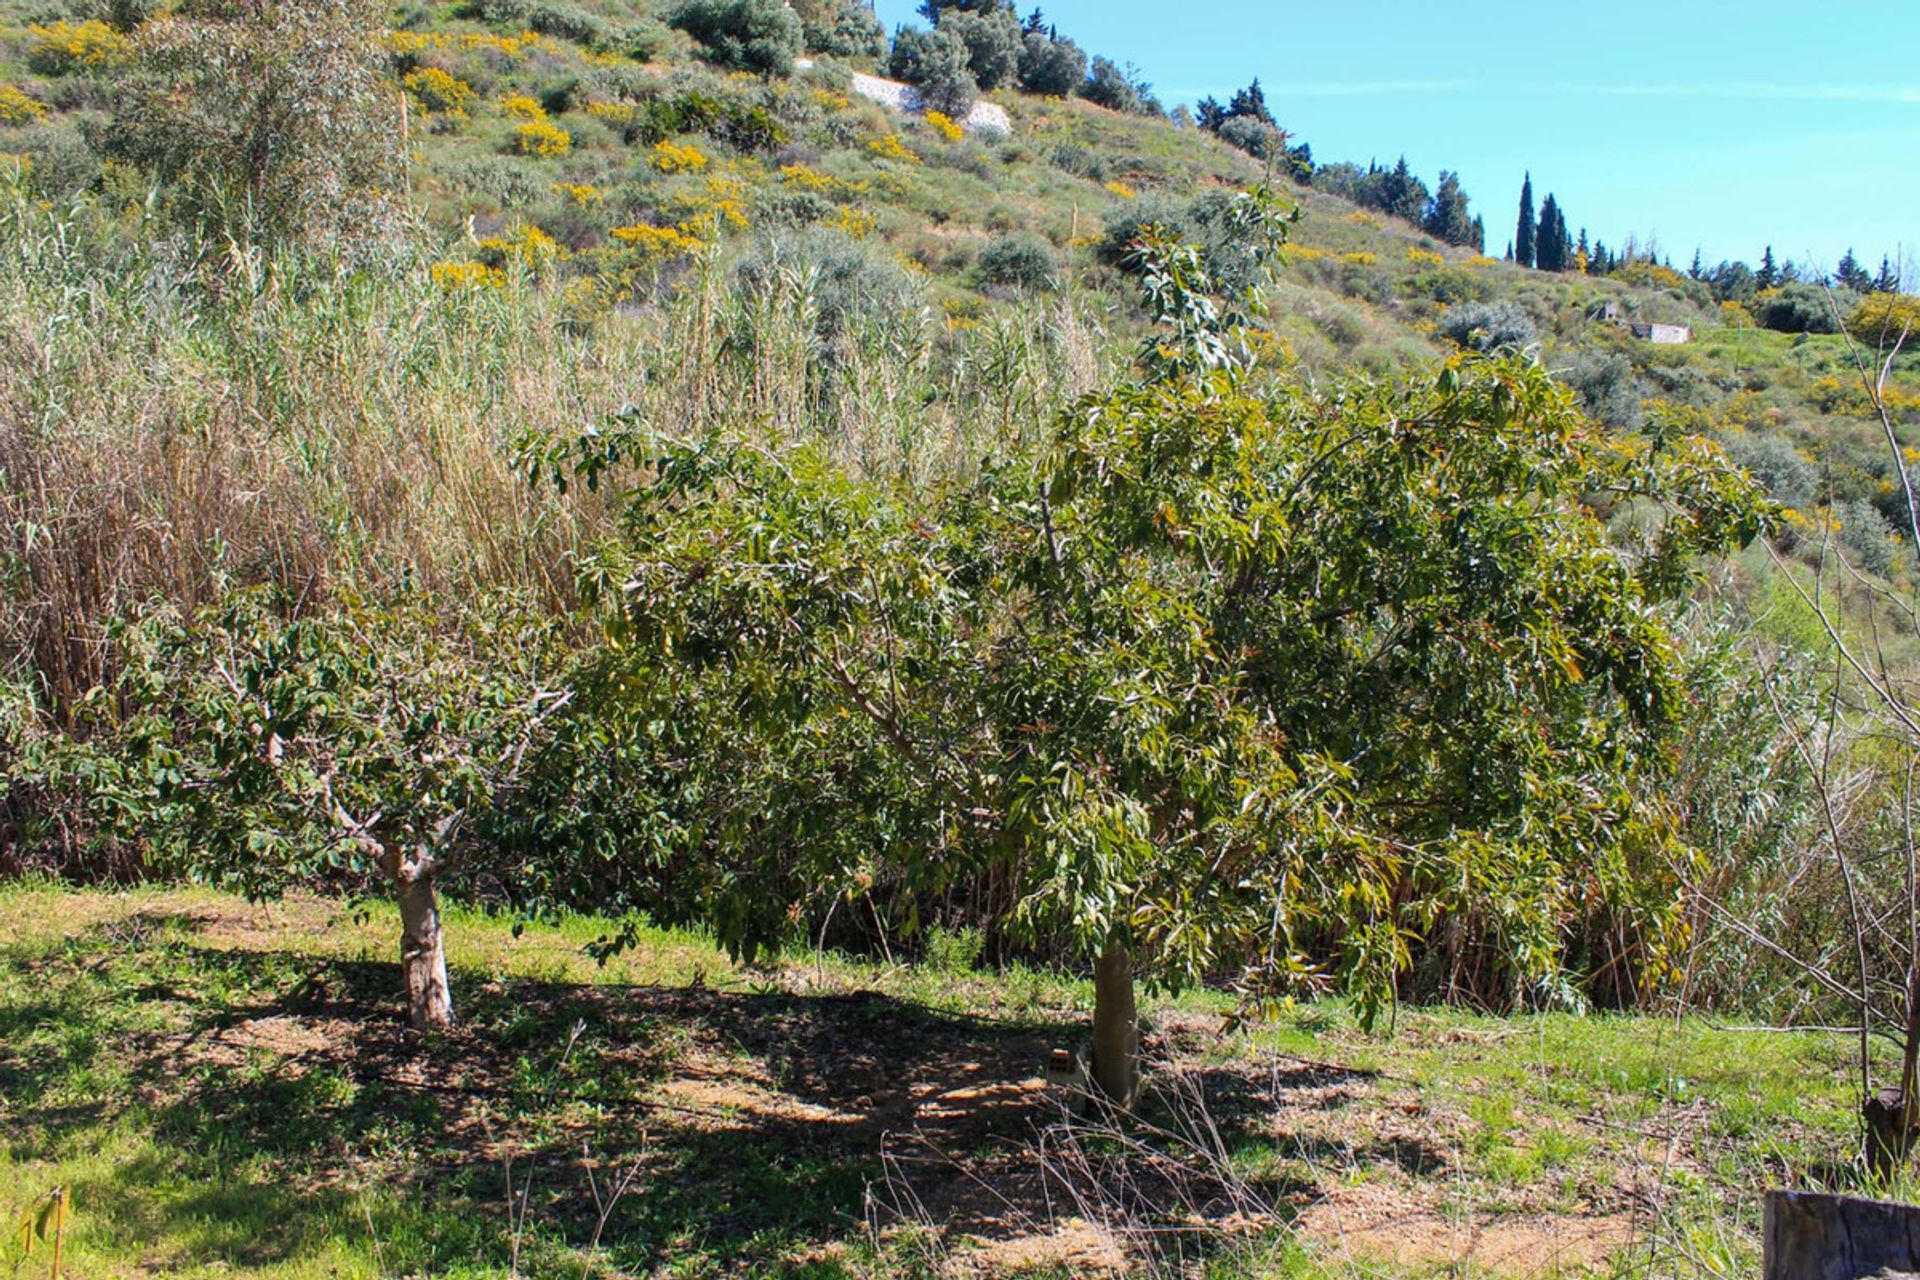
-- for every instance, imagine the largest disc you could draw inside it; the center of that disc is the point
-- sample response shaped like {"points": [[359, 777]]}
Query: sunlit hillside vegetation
{"points": [[589, 462]]}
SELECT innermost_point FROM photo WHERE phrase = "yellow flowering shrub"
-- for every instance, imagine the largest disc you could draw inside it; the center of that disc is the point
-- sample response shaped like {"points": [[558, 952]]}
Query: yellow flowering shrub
{"points": [[540, 138], [657, 243], [1482, 260], [1122, 190], [671, 158], [437, 90], [721, 202], [1651, 275], [613, 112], [1885, 313], [582, 194], [1361, 218], [519, 106], [830, 100], [529, 246], [59, 48], [1735, 316], [18, 107], [1304, 253], [857, 223], [1361, 259], [891, 148], [805, 177], [466, 275], [1426, 258], [943, 124]]}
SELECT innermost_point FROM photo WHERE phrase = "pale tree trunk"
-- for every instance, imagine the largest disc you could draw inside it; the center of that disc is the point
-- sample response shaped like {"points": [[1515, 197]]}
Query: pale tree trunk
{"points": [[423, 956], [1116, 1028]]}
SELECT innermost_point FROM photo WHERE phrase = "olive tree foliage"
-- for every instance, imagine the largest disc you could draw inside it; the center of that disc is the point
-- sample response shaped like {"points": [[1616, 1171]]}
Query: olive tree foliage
{"points": [[841, 28], [761, 36], [361, 747], [1051, 65], [265, 122], [936, 64], [993, 42], [1220, 680]]}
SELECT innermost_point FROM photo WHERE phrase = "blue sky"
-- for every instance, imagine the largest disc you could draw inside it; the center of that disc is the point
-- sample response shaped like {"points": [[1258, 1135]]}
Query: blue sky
{"points": [[1727, 126]]}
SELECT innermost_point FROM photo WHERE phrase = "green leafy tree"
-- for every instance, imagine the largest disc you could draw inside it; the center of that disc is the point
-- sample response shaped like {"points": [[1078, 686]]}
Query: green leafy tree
{"points": [[1116, 88], [265, 123], [841, 28], [761, 36], [365, 746], [1221, 680], [1526, 245], [1051, 66], [935, 63], [993, 44]]}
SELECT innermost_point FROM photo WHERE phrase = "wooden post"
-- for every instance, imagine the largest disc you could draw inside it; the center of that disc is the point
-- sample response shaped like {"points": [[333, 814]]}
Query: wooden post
{"points": [[1822, 1237]]}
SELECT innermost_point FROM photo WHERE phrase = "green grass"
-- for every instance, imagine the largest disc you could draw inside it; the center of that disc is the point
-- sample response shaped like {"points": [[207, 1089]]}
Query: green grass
{"points": [[227, 1090]]}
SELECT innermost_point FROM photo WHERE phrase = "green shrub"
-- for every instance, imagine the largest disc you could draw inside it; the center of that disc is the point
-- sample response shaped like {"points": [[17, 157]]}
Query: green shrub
{"points": [[852, 284], [1803, 308], [1024, 261], [1608, 389], [954, 951], [499, 13], [570, 22], [1488, 326], [762, 36]]}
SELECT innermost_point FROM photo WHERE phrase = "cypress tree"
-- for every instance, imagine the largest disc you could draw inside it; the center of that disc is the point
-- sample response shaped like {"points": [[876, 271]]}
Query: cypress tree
{"points": [[1552, 248], [1524, 243], [1698, 270], [1769, 273]]}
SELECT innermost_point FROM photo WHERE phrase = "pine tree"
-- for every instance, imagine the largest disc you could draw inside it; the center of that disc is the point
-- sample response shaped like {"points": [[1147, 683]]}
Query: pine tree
{"points": [[1479, 235], [1524, 243], [1889, 279], [1251, 101], [1852, 275], [1447, 215], [1769, 273], [1698, 270]]}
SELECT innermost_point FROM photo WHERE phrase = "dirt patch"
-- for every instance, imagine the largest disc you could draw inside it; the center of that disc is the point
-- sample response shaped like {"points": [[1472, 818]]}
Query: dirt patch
{"points": [[1399, 1226]]}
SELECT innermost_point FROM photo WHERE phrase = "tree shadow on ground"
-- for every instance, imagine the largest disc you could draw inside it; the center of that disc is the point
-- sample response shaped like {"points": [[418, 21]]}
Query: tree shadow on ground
{"points": [[755, 1125]]}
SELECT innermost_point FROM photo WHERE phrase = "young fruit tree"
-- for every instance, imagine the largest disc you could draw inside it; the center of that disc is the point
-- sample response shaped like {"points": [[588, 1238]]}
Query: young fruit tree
{"points": [[358, 747], [1225, 684]]}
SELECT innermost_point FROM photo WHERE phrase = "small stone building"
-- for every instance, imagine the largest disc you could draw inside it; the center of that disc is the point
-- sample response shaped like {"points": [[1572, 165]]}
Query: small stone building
{"points": [[1663, 335]]}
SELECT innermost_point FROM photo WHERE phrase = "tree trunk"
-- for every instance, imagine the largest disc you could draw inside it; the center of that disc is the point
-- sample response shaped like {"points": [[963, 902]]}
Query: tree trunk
{"points": [[1116, 1028], [423, 957]]}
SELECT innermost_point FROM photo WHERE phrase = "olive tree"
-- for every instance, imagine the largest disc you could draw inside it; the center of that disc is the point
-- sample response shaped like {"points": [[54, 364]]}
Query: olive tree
{"points": [[265, 121], [762, 36]]}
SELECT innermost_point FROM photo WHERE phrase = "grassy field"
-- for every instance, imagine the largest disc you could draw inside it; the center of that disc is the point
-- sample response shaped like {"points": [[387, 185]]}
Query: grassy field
{"points": [[228, 1089]]}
